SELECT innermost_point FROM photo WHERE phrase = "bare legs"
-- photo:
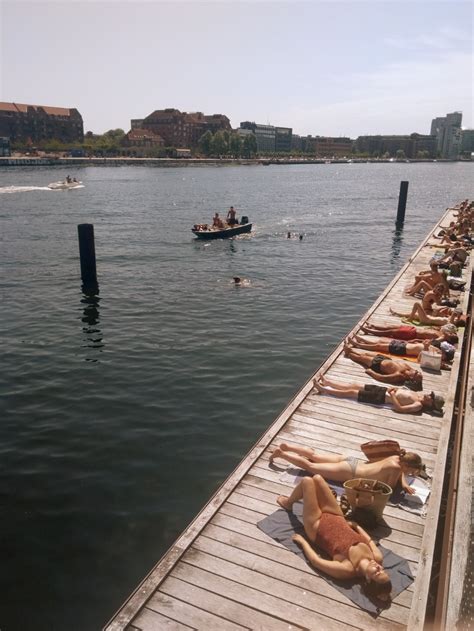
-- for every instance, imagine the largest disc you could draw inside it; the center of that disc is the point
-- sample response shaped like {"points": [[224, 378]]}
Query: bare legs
{"points": [[331, 466], [317, 499], [337, 389]]}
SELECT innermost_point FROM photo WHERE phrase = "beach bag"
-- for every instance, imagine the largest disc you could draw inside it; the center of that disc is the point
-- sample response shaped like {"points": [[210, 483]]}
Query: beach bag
{"points": [[430, 360], [368, 495], [379, 449]]}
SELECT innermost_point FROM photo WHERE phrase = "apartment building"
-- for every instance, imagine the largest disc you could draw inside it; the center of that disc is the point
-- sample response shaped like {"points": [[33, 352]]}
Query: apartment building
{"points": [[448, 132], [411, 145], [327, 147], [183, 129], [34, 124]]}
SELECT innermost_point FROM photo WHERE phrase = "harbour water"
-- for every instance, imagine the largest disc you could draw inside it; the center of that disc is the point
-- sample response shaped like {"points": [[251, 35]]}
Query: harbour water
{"points": [[122, 412]]}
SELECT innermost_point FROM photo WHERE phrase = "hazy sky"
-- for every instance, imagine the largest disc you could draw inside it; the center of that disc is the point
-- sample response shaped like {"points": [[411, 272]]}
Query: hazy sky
{"points": [[328, 68]]}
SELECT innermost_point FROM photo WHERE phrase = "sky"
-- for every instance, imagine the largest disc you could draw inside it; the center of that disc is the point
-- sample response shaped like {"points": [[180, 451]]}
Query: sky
{"points": [[329, 68]]}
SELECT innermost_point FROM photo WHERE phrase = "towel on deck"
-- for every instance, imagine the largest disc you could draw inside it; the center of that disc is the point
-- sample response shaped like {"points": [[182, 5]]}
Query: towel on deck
{"points": [[282, 525]]}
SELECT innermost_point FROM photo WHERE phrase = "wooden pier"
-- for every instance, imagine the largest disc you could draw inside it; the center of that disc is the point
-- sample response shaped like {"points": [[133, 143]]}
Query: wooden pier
{"points": [[224, 573]]}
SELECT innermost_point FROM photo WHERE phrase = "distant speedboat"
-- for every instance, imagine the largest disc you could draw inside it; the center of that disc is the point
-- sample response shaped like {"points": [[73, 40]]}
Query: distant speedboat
{"points": [[64, 185]]}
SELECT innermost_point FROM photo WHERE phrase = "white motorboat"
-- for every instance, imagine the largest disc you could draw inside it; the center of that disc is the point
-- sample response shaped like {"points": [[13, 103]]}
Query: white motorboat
{"points": [[65, 185]]}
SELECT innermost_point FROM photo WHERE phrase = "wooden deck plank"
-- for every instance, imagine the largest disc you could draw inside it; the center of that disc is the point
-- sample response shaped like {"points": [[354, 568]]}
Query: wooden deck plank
{"points": [[247, 595], [149, 620], [224, 566]]}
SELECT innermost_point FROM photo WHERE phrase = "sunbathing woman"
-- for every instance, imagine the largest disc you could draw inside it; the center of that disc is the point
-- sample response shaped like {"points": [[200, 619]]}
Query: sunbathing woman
{"points": [[410, 332], [385, 369], [391, 470], [399, 347], [352, 551], [419, 314], [402, 400]]}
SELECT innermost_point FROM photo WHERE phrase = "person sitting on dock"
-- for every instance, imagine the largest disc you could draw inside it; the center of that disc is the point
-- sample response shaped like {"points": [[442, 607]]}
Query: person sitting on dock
{"points": [[404, 331], [401, 348], [401, 400], [353, 553], [391, 470], [231, 217], [385, 369], [426, 281]]}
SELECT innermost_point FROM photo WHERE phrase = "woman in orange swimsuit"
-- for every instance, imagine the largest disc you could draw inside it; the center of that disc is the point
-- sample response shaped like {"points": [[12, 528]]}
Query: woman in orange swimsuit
{"points": [[352, 551]]}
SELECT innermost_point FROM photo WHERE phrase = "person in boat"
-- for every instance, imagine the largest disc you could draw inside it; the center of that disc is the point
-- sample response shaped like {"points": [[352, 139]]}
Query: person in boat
{"points": [[74, 180], [217, 222], [231, 217], [411, 332], [401, 400], [402, 348], [385, 369], [68, 179], [353, 553], [391, 470]]}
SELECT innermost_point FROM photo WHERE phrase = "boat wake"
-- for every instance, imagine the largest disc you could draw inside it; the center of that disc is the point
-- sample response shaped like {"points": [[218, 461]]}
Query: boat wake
{"points": [[5, 190], [8, 190]]}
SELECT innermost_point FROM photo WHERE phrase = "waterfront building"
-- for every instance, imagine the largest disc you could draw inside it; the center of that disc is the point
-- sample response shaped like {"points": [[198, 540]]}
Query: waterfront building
{"points": [[296, 142], [327, 147], [4, 146], [34, 124], [136, 123], [183, 129], [447, 130], [264, 134], [283, 139], [412, 145], [142, 138], [467, 141]]}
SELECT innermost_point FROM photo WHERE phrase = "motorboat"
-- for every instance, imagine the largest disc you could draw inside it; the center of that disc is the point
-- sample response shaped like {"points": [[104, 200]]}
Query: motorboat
{"points": [[65, 185], [203, 231]]}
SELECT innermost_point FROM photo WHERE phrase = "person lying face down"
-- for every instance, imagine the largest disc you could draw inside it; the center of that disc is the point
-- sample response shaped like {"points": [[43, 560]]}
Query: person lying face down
{"points": [[352, 551], [400, 399], [391, 470], [385, 369]]}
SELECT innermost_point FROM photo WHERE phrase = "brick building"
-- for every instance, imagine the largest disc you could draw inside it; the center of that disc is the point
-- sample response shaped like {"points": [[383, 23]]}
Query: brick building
{"points": [[182, 129], [34, 124], [142, 138], [327, 147]]}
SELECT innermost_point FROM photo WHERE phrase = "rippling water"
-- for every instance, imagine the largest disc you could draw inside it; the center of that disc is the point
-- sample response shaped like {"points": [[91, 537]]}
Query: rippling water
{"points": [[123, 412]]}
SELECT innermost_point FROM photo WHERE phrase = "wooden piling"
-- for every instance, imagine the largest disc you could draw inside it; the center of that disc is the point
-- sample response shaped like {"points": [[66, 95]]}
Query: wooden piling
{"points": [[87, 254], [402, 202]]}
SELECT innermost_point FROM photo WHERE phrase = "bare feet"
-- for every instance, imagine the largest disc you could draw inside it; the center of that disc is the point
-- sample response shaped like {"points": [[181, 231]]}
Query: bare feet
{"points": [[276, 453], [282, 500], [317, 386]]}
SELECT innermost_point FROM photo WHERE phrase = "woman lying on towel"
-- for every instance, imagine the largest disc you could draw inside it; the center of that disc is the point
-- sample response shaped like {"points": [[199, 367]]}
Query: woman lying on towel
{"points": [[410, 332], [391, 470], [352, 551], [401, 348], [385, 369], [419, 314], [401, 399]]}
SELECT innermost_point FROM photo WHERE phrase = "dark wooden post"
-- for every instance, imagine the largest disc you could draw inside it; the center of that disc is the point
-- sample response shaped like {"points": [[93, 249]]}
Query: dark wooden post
{"points": [[402, 202], [87, 254]]}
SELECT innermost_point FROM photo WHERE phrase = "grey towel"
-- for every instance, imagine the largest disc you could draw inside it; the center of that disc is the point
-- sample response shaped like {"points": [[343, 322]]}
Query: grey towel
{"points": [[282, 525]]}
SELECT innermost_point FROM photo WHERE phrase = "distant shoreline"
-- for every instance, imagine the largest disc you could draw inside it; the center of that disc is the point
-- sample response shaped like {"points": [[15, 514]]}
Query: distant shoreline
{"points": [[16, 161]]}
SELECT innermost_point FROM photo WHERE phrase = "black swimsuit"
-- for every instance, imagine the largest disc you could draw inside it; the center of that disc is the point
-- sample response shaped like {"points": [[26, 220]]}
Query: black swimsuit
{"points": [[376, 363]]}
